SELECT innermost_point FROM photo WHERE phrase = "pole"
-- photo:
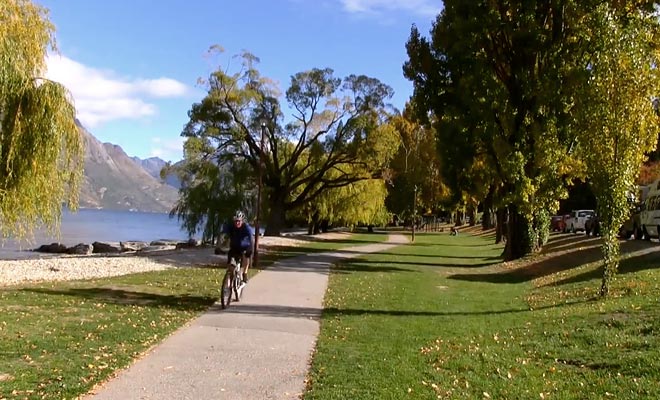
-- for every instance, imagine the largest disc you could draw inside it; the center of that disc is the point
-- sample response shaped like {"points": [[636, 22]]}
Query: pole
{"points": [[255, 259], [414, 213]]}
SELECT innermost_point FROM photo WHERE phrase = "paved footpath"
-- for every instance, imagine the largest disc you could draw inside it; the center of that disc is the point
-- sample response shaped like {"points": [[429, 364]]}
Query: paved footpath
{"points": [[259, 348]]}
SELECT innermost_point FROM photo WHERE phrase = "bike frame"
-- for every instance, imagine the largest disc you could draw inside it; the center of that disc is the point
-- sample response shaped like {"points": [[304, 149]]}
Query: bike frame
{"points": [[233, 281]]}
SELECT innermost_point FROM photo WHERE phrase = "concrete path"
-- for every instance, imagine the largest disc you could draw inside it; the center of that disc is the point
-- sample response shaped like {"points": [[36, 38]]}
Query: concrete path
{"points": [[259, 348]]}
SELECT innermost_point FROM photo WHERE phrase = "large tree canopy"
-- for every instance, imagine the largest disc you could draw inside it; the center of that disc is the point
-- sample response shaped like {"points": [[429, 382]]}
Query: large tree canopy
{"points": [[333, 139], [41, 150], [500, 82]]}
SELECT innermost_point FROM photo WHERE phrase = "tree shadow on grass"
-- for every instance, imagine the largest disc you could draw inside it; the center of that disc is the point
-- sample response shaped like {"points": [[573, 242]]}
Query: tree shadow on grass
{"points": [[128, 297], [338, 312], [364, 266], [577, 243], [331, 312], [441, 264], [629, 265], [551, 263]]}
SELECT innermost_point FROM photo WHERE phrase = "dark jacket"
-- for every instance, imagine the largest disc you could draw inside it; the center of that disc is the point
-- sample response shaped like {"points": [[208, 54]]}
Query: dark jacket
{"points": [[239, 238]]}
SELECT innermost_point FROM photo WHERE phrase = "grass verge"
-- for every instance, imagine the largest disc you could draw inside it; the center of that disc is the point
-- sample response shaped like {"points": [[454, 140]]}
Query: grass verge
{"points": [[440, 318]]}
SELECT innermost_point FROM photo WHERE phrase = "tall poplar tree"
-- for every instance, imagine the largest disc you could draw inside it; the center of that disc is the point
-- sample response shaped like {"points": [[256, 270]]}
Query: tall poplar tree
{"points": [[617, 120]]}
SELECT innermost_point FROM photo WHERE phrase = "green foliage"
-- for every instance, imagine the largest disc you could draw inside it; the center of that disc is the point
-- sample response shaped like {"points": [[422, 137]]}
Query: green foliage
{"points": [[333, 140], [617, 120], [536, 90], [209, 193], [361, 202], [41, 150], [416, 163], [491, 77]]}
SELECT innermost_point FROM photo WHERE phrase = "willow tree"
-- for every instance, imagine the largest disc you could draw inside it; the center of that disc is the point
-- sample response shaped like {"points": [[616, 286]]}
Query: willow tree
{"points": [[209, 193], [330, 141], [360, 203], [41, 150], [617, 117]]}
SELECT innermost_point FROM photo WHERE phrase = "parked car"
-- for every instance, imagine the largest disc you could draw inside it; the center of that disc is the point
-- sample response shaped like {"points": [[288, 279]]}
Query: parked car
{"points": [[556, 222], [578, 218], [632, 226], [592, 226], [564, 218]]}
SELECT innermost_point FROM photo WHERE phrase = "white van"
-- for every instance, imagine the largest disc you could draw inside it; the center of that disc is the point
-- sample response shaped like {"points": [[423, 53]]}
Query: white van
{"points": [[578, 219], [650, 215]]}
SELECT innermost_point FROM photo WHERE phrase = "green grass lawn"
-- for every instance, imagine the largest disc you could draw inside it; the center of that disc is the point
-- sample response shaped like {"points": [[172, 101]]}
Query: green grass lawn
{"points": [[59, 339], [321, 245], [436, 319]]}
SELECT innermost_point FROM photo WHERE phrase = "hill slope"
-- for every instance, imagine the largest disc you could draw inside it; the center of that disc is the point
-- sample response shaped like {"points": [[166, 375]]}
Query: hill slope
{"points": [[115, 181]]}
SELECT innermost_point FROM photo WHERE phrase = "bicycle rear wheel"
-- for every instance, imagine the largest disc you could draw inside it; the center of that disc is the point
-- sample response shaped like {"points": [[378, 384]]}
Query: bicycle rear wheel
{"points": [[226, 290]]}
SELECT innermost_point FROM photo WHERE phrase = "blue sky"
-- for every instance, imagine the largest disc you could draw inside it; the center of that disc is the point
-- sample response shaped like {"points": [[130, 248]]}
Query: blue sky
{"points": [[132, 66]]}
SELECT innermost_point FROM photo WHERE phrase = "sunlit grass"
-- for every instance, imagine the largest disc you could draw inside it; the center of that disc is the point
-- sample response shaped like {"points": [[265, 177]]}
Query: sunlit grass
{"points": [[57, 340], [435, 320]]}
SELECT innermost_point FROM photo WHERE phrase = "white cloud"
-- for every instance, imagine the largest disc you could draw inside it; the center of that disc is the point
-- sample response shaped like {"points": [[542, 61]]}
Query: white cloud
{"points": [[167, 149], [376, 7], [162, 87], [101, 96]]}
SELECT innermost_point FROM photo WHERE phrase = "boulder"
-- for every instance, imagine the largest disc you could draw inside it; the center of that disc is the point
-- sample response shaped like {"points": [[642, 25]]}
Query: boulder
{"points": [[191, 243], [164, 242], [106, 247], [156, 248], [81, 248], [52, 248], [132, 245]]}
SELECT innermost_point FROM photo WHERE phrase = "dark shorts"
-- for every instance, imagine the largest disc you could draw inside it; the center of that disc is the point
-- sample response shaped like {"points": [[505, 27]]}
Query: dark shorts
{"points": [[237, 253]]}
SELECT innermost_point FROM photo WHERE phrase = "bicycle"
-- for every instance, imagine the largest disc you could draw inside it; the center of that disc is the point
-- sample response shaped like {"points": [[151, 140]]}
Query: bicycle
{"points": [[232, 283]]}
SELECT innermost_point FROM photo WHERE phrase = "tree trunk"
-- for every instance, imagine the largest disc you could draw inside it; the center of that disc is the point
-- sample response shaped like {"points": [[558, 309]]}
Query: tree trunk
{"points": [[277, 217], [459, 218], [324, 226], [500, 225], [313, 226], [518, 241], [472, 214], [487, 221], [611, 257]]}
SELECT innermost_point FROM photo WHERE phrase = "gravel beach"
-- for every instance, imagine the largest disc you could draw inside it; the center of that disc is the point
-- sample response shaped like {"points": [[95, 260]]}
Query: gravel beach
{"points": [[46, 267]]}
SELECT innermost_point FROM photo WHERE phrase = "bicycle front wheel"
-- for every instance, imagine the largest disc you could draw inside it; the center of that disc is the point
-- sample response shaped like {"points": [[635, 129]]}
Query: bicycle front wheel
{"points": [[226, 291], [238, 286]]}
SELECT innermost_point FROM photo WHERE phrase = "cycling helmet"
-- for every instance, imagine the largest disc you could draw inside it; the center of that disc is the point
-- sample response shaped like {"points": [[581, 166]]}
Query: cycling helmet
{"points": [[239, 215]]}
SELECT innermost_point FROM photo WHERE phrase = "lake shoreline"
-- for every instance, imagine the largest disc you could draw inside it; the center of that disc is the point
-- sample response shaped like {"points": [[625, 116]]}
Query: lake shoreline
{"points": [[64, 267]]}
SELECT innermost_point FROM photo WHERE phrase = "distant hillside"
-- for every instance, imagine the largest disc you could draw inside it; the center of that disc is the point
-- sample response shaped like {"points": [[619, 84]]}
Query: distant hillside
{"points": [[115, 181], [153, 165]]}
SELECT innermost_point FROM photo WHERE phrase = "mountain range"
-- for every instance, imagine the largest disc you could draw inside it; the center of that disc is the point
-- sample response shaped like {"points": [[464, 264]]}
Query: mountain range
{"points": [[114, 181]]}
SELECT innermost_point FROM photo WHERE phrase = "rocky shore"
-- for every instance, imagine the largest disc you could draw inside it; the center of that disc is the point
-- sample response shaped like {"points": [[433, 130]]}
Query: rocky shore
{"points": [[63, 267]]}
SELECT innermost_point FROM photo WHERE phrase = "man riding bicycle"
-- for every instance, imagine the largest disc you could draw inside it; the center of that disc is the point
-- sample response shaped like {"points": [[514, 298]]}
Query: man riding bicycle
{"points": [[240, 235]]}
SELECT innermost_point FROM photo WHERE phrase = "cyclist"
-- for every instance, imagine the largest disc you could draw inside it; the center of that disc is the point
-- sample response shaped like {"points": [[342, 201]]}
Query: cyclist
{"points": [[240, 235]]}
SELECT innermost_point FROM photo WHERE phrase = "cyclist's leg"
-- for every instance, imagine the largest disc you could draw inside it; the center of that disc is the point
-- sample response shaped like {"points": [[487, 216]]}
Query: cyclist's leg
{"points": [[232, 254], [246, 262]]}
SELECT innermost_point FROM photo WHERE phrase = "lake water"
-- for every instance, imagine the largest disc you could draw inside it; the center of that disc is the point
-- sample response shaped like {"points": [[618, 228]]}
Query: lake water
{"points": [[87, 226]]}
